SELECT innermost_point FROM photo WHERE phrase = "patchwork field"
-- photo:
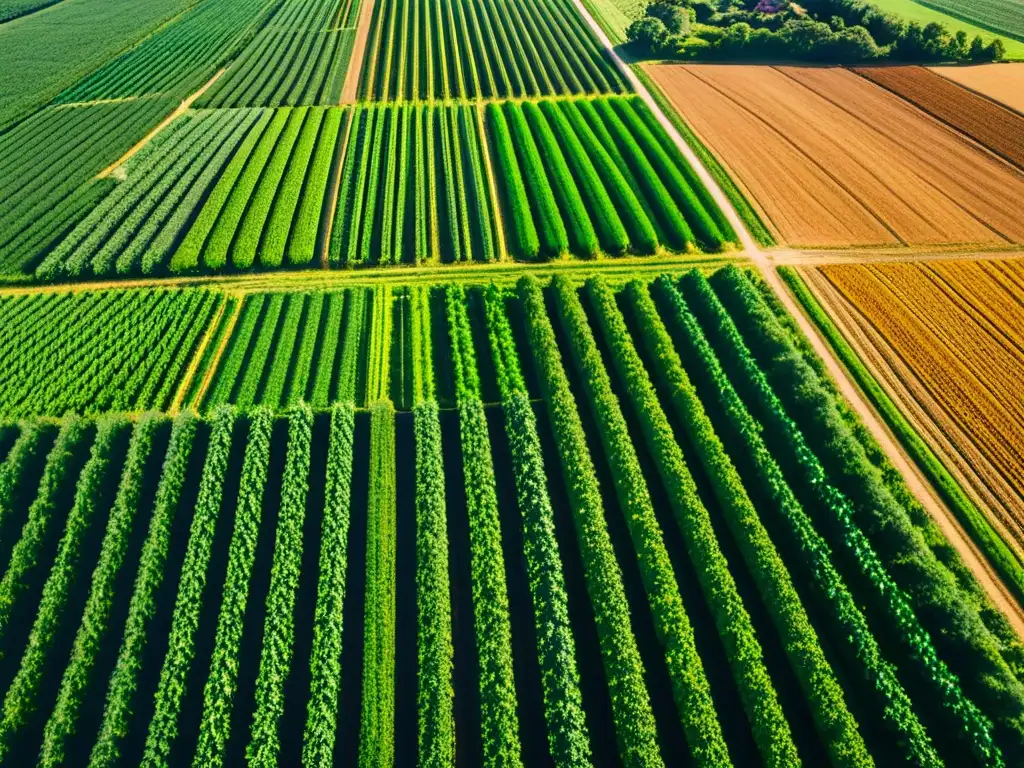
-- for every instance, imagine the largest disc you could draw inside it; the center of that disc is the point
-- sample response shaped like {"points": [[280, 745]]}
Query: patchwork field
{"points": [[832, 159], [1002, 82], [945, 338], [974, 17], [609, 524], [998, 129]]}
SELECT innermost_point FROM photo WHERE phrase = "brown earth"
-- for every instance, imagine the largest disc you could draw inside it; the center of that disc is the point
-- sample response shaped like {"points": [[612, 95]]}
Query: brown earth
{"points": [[990, 124], [833, 159], [350, 88], [943, 338], [1001, 82]]}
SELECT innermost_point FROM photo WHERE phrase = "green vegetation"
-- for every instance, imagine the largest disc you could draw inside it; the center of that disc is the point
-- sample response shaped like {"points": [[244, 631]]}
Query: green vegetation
{"points": [[483, 48], [701, 555]]}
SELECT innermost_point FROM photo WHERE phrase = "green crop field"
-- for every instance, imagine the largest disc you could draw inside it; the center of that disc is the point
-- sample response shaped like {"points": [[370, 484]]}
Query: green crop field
{"points": [[397, 382], [527, 523]]}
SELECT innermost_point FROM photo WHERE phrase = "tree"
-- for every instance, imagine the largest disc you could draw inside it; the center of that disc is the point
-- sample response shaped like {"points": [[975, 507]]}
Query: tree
{"points": [[648, 34], [675, 18]]}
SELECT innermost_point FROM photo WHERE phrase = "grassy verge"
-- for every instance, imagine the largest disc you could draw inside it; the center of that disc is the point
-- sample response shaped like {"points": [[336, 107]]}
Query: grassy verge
{"points": [[1002, 558], [746, 212]]}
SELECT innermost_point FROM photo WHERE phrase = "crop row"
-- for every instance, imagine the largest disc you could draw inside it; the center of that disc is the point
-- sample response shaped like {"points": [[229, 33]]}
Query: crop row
{"points": [[98, 351], [674, 559], [299, 57], [47, 165], [591, 176], [179, 57], [217, 185], [483, 48], [413, 188]]}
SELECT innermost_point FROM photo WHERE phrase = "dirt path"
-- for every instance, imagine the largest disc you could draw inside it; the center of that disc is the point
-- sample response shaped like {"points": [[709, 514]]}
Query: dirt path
{"points": [[211, 369], [182, 108], [918, 485], [814, 258], [197, 356], [492, 185], [355, 66]]}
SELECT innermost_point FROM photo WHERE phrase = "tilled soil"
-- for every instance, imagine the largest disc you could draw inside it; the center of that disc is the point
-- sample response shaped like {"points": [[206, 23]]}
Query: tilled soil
{"points": [[833, 159]]}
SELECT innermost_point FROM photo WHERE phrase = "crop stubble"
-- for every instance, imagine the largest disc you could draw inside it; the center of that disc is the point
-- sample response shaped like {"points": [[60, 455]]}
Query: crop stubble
{"points": [[1002, 82], [835, 160], [988, 123], [942, 337]]}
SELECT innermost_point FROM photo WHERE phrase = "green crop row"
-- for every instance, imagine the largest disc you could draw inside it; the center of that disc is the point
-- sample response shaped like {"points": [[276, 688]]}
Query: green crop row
{"points": [[279, 627], [218, 699], [325, 659], [163, 727], [588, 176], [498, 718], [879, 674], [483, 48], [377, 717], [631, 706], [400, 199], [961, 638], [746, 657]]}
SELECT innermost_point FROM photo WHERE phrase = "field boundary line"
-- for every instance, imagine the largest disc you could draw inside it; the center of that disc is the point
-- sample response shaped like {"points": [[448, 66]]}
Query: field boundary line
{"points": [[492, 185], [180, 110], [197, 357], [350, 87], [331, 209], [204, 385]]}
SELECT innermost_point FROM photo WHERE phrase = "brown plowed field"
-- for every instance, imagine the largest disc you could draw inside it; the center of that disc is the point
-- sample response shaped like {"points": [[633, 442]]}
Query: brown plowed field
{"points": [[990, 124], [832, 159], [1002, 82], [946, 340]]}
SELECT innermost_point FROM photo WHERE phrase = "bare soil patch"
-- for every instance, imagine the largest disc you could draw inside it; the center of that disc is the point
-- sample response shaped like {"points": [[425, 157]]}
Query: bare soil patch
{"points": [[990, 124], [1002, 82], [834, 160]]}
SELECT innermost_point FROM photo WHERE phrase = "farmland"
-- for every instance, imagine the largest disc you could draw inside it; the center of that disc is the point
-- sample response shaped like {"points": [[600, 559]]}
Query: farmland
{"points": [[994, 127], [488, 48], [943, 339], [872, 169], [639, 555], [392, 382], [1004, 84]]}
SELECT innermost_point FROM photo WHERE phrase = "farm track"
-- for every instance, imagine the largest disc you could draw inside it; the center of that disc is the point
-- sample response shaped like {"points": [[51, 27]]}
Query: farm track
{"points": [[178, 112], [197, 356], [350, 89], [919, 486], [214, 363]]}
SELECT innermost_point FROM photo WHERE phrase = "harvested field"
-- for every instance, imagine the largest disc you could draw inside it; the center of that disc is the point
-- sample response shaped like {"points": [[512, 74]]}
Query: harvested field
{"points": [[990, 124], [834, 160], [1002, 82], [945, 340]]}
